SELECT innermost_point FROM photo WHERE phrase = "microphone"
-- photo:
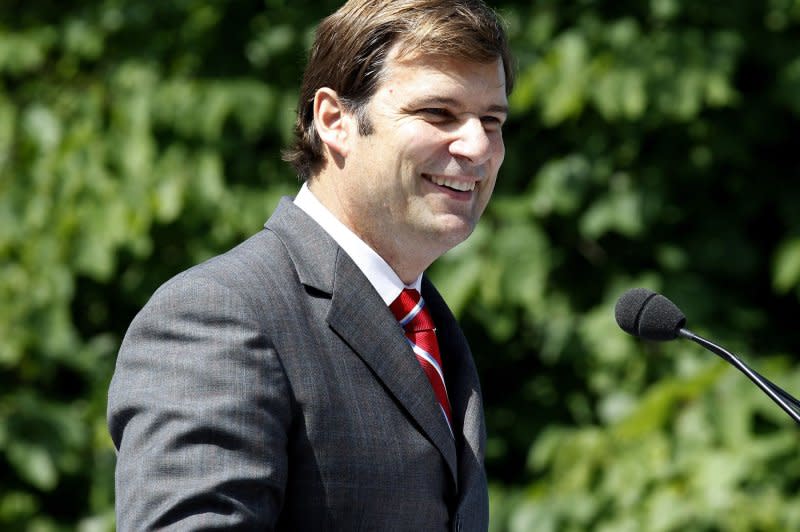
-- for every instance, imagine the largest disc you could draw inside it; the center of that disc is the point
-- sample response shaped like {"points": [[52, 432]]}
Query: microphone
{"points": [[645, 314]]}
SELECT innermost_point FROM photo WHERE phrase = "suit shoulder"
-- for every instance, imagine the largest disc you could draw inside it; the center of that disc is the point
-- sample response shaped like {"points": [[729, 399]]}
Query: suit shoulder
{"points": [[254, 269]]}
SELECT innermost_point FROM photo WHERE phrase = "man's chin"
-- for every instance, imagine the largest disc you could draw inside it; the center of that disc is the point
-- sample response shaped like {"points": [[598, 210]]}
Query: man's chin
{"points": [[452, 230]]}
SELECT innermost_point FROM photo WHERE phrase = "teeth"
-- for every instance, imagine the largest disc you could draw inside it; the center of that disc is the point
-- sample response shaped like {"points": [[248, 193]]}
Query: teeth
{"points": [[463, 186]]}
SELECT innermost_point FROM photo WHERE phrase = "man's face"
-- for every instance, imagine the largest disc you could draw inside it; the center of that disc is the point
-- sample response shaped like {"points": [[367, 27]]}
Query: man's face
{"points": [[421, 180]]}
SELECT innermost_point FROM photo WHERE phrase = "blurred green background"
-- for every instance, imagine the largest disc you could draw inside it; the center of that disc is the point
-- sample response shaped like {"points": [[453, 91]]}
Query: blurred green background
{"points": [[651, 143]]}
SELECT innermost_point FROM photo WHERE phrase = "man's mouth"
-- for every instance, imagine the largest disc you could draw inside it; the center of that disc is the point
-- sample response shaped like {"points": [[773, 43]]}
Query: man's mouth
{"points": [[459, 185]]}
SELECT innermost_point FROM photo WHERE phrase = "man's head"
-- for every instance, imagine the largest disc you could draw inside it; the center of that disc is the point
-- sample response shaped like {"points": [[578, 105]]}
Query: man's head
{"points": [[352, 45]]}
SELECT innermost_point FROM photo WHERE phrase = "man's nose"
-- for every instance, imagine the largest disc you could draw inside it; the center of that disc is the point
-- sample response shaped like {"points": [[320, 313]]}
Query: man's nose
{"points": [[472, 142]]}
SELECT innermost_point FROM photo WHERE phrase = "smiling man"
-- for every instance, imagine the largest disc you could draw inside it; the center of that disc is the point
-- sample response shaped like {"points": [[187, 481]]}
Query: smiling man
{"points": [[312, 378], [416, 185]]}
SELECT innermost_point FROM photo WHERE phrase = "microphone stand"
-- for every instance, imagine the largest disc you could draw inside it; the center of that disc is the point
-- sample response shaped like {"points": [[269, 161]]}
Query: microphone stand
{"points": [[785, 400]]}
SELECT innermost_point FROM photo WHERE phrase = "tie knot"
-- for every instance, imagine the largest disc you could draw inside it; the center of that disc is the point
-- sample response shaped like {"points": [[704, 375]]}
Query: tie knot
{"points": [[409, 309]]}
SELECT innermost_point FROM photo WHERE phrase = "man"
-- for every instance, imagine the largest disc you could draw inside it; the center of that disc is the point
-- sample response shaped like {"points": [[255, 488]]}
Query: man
{"points": [[272, 387]]}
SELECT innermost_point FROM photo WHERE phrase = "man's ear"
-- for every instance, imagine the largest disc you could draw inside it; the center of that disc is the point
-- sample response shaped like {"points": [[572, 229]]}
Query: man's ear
{"points": [[334, 126]]}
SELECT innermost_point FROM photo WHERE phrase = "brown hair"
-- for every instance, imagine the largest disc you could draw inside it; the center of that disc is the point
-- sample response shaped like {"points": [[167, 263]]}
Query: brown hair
{"points": [[352, 44]]}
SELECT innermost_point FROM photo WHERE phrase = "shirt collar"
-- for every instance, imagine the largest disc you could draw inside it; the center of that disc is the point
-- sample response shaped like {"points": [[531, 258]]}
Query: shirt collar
{"points": [[378, 272]]}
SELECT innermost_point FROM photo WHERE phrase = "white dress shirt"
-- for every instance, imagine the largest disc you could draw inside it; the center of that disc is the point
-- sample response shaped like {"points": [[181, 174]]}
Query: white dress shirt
{"points": [[377, 270]]}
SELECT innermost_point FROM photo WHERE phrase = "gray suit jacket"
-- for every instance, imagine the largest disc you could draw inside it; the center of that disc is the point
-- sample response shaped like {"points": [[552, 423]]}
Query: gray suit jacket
{"points": [[271, 388]]}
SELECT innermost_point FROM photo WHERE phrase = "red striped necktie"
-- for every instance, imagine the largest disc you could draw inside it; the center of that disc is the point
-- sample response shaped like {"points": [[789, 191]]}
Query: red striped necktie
{"points": [[409, 309]]}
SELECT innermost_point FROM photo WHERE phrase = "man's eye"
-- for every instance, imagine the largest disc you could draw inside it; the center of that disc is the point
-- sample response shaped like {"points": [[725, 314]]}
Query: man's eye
{"points": [[436, 113], [492, 122]]}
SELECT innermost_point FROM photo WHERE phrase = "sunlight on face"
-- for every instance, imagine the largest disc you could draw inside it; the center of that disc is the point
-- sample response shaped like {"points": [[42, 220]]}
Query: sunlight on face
{"points": [[419, 183]]}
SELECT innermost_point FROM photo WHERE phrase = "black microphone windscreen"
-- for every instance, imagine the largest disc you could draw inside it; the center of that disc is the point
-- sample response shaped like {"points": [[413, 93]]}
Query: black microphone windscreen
{"points": [[646, 314]]}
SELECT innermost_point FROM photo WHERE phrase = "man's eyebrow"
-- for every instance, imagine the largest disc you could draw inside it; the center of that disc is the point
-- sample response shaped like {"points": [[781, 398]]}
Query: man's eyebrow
{"points": [[498, 109], [452, 102]]}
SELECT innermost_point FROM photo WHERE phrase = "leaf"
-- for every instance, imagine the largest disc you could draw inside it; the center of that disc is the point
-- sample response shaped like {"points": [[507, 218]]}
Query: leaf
{"points": [[34, 464], [786, 266], [618, 210]]}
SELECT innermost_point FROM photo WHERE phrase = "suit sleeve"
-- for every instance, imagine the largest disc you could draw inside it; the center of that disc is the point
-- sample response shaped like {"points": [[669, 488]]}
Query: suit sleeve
{"points": [[199, 410]]}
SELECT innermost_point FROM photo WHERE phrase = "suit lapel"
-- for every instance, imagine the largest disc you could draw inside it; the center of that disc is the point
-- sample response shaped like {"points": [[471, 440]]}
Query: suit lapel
{"points": [[360, 317], [463, 388]]}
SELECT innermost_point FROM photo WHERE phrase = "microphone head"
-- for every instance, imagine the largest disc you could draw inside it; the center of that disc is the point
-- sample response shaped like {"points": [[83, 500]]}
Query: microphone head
{"points": [[648, 315]]}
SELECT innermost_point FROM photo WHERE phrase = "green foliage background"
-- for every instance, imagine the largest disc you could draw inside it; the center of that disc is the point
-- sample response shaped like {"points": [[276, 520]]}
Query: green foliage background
{"points": [[652, 143]]}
